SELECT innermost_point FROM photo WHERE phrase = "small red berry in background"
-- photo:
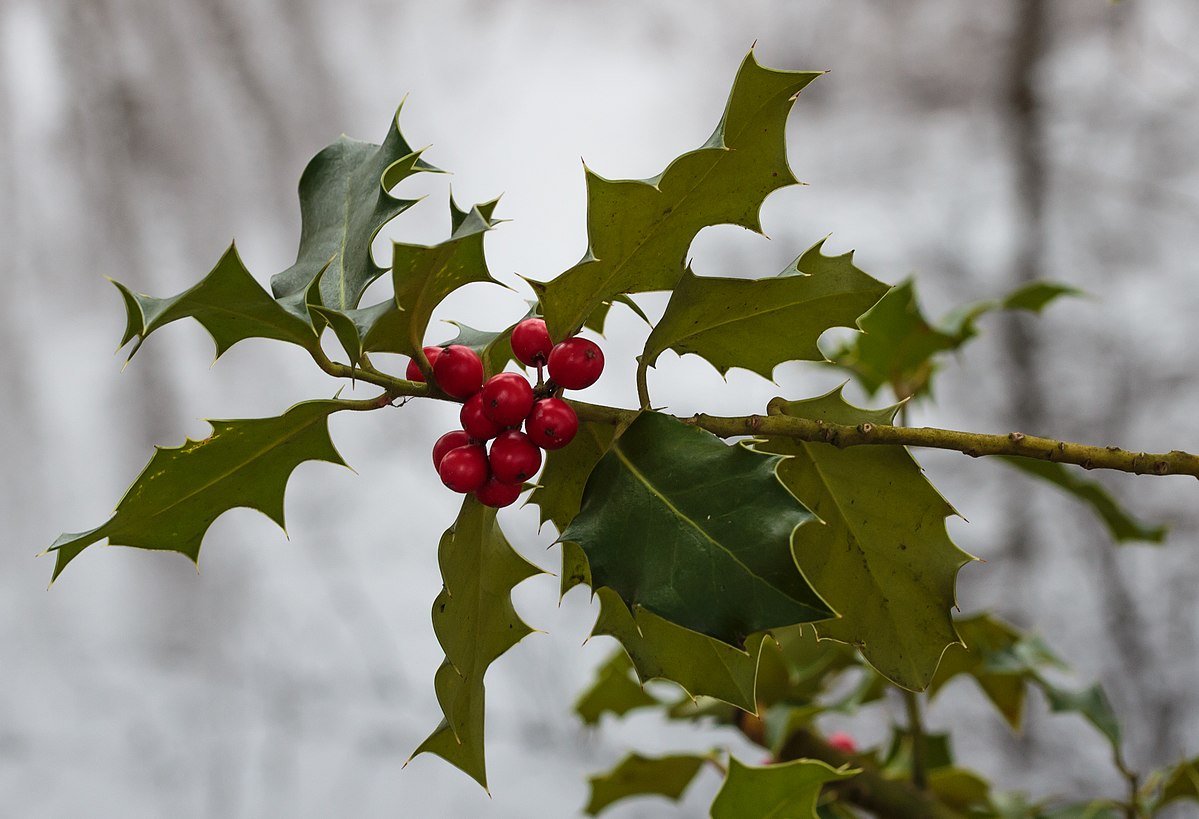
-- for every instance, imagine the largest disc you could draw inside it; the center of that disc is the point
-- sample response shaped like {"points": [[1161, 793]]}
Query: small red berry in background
{"points": [[552, 424], [446, 443], [576, 363], [498, 494], [475, 421], [459, 371], [514, 457], [507, 398], [464, 469], [413, 373], [531, 342], [842, 742]]}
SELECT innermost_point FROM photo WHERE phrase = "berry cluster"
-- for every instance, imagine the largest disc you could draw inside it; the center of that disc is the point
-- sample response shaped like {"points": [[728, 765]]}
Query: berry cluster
{"points": [[494, 411]]}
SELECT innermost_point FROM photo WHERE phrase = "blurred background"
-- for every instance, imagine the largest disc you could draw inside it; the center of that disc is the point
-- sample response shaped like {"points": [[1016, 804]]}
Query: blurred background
{"points": [[975, 146]]}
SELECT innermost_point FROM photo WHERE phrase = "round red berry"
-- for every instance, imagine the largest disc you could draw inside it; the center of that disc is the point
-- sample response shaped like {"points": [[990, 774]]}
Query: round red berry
{"points": [[842, 742], [476, 422], [514, 457], [464, 469], [459, 371], [576, 363], [531, 342], [497, 494], [552, 424], [446, 443], [507, 398], [413, 373]]}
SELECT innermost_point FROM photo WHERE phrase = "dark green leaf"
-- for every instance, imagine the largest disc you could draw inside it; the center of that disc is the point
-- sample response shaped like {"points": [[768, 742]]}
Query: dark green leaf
{"points": [[228, 302], [638, 775], [1122, 525], [704, 667], [475, 623], [344, 203], [639, 231], [882, 557], [788, 790], [182, 490], [960, 789], [694, 530], [614, 691], [935, 749], [760, 323]]}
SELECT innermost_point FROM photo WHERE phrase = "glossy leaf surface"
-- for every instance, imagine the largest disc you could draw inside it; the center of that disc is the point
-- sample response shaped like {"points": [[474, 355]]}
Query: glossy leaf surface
{"points": [[694, 530], [344, 203]]}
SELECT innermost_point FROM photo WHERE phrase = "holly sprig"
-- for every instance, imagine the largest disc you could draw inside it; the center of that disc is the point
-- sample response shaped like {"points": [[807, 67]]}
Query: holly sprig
{"points": [[717, 546]]}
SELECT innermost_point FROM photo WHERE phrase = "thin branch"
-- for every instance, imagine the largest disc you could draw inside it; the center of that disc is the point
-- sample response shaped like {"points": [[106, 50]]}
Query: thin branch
{"points": [[643, 383], [916, 731], [973, 444]]}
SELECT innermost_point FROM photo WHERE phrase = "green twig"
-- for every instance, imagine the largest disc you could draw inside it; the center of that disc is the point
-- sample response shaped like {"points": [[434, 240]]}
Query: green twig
{"points": [[916, 731]]}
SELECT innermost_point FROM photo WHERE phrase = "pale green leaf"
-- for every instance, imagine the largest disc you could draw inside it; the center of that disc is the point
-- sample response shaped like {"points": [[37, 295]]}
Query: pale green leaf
{"points": [[788, 790], [879, 553]]}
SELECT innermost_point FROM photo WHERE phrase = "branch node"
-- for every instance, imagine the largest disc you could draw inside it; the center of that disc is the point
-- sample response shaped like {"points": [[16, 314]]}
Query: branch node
{"points": [[1087, 464], [1016, 437], [1161, 468], [866, 428], [754, 423], [973, 453]]}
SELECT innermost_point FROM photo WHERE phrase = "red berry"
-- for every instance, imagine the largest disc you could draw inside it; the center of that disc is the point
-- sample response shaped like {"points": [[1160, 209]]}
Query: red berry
{"points": [[576, 363], [475, 422], [531, 342], [514, 457], [842, 742], [498, 494], [446, 443], [507, 398], [414, 373], [458, 371], [464, 469], [552, 424]]}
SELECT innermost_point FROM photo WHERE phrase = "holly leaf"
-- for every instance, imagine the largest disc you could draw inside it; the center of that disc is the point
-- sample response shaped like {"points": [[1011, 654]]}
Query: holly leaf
{"points": [[614, 691], [760, 323], [422, 275], [1182, 782], [788, 789], [660, 649], [1122, 525], [1091, 703], [182, 490], [899, 347], [475, 623], [696, 531], [639, 231], [638, 775], [228, 302], [344, 203], [882, 557], [1000, 659]]}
